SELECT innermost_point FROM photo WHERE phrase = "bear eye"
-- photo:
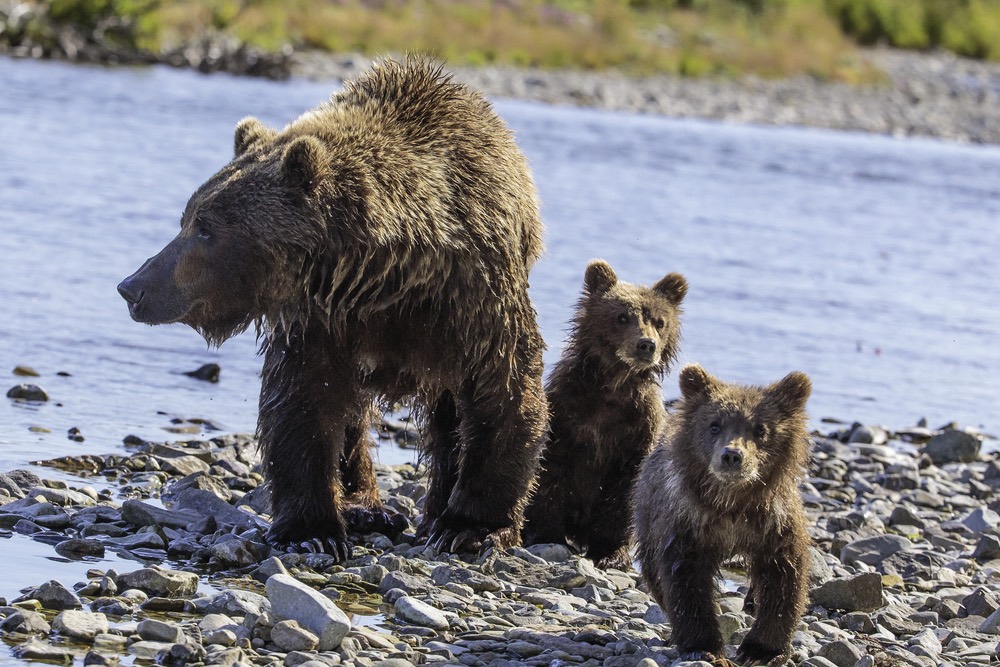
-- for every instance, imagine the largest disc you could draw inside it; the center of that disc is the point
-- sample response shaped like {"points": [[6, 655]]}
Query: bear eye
{"points": [[623, 319], [759, 431], [658, 324], [714, 428], [202, 230]]}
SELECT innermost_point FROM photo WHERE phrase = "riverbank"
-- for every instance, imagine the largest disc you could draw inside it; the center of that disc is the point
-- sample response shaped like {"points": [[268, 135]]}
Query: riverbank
{"points": [[925, 94], [906, 564]]}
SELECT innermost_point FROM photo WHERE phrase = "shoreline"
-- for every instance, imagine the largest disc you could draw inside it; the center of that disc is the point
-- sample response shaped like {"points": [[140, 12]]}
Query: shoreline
{"points": [[906, 560], [935, 95]]}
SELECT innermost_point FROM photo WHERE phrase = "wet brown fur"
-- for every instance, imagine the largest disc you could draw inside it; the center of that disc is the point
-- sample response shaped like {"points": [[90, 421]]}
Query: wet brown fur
{"points": [[381, 244], [693, 511], [606, 406]]}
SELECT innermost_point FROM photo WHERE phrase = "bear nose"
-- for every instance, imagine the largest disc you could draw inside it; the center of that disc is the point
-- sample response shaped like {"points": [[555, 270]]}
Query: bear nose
{"points": [[129, 292], [646, 346], [732, 458]]}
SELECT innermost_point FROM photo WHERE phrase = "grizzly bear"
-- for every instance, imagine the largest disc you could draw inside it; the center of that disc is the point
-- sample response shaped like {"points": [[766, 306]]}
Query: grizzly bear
{"points": [[605, 407], [380, 243], [723, 482]]}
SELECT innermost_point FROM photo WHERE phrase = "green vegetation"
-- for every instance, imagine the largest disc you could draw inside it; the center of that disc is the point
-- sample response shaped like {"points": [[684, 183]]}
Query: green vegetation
{"points": [[769, 38]]}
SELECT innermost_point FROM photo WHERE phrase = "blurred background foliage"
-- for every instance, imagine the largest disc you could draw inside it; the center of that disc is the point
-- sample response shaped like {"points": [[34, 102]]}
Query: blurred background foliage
{"points": [[768, 38]]}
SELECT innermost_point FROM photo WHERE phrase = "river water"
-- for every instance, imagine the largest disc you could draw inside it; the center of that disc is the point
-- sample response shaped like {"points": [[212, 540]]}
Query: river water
{"points": [[868, 262]]}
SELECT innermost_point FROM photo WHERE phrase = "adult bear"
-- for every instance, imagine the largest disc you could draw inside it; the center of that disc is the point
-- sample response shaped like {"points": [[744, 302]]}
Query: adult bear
{"points": [[381, 244]]}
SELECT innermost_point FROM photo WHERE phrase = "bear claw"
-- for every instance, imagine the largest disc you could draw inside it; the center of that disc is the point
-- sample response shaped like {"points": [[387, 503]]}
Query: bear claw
{"points": [[364, 520], [340, 549]]}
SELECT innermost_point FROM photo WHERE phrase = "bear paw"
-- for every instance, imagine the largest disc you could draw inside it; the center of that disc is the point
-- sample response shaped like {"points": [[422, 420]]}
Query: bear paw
{"points": [[706, 656], [375, 520], [463, 536], [755, 653], [338, 547]]}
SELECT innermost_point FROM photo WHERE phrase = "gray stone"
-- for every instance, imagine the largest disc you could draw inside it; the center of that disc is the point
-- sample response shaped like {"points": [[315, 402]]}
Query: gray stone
{"points": [[292, 600], [139, 541], [981, 520], [237, 552], [841, 653], [988, 548], [980, 602], [991, 625], [873, 550], [268, 568], [414, 611], [290, 636], [62, 497], [80, 624], [160, 582], [27, 392], [477, 581], [183, 465], [159, 631], [26, 622], [862, 592], [237, 602], [546, 575], [138, 513], [409, 583], [95, 659], [552, 553], [206, 503], [953, 446], [54, 595], [816, 661]]}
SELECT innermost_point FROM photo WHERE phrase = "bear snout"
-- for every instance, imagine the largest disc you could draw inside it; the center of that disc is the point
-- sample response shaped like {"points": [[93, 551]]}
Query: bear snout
{"points": [[130, 291], [646, 348], [731, 459]]}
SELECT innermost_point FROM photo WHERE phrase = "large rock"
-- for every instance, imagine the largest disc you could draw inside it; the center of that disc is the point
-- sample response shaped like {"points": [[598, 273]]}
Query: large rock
{"points": [[160, 582], [235, 601], [873, 550], [159, 631], [54, 595], [981, 520], [292, 600], [33, 649], [953, 446], [77, 624], [26, 622], [420, 613], [206, 503], [27, 392], [860, 593], [139, 513]]}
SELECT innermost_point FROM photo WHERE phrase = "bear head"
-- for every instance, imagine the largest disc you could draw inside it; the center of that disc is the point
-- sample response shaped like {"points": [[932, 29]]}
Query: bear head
{"points": [[629, 325], [245, 238], [743, 435]]}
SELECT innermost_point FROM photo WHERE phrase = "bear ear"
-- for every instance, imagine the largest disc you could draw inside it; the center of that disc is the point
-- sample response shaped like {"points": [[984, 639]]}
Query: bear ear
{"points": [[600, 277], [695, 381], [250, 132], [304, 163], [792, 391], [673, 286]]}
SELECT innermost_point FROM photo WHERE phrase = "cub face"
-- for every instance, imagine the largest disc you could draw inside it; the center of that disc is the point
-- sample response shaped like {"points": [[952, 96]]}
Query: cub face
{"points": [[636, 325], [744, 434]]}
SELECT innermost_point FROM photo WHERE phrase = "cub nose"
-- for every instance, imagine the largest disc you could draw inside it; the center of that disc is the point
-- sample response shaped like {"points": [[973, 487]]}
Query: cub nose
{"points": [[732, 458], [646, 346], [129, 291]]}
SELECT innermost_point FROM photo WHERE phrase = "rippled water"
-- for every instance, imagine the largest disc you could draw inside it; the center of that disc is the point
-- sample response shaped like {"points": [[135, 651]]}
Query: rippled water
{"points": [[868, 262]]}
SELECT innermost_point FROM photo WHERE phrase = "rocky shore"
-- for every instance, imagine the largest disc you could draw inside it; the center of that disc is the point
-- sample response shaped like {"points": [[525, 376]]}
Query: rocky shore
{"points": [[906, 565], [929, 95]]}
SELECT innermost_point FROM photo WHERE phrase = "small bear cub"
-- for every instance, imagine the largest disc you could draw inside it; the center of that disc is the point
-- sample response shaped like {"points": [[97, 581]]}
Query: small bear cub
{"points": [[606, 407], [723, 481]]}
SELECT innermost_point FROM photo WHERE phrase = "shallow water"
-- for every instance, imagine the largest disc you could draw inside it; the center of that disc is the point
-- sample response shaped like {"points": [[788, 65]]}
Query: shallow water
{"points": [[867, 262]]}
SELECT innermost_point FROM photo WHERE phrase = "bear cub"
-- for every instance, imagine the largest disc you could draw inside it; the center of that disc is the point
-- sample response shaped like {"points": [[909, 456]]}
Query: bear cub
{"points": [[723, 482], [606, 407]]}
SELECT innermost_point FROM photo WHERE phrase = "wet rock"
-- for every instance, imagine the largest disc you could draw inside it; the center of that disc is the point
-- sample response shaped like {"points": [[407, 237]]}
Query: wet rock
{"points": [[181, 654], [33, 649], [953, 446], [78, 548], [25, 622], [159, 631], [28, 392], [138, 513], [292, 600], [26, 371], [862, 592], [290, 636], [61, 497], [54, 595], [83, 625], [412, 610], [205, 503], [237, 553], [205, 372], [841, 653], [183, 465], [160, 582], [236, 602], [95, 659]]}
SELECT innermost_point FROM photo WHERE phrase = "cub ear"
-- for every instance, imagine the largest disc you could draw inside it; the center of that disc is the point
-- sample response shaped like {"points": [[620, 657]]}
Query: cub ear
{"points": [[673, 286], [304, 163], [600, 277], [250, 132], [792, 391], [695, 381]]}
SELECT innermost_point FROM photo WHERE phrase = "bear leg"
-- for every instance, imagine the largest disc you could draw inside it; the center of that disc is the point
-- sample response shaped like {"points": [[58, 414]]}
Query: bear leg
{"points": [[688, 572], [364, 511], [545, 518], [779, 581], [609, 535], [501, 438], [306, 404], [441, 448]]}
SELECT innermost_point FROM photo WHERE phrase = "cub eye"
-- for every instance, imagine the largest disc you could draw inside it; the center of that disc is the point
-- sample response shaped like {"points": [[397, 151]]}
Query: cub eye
{"points": [[658, 324], [714, 428], [623, 319], [759, 431]]}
